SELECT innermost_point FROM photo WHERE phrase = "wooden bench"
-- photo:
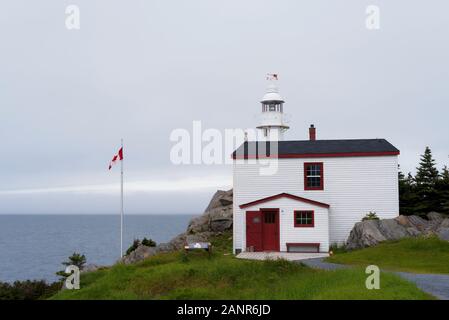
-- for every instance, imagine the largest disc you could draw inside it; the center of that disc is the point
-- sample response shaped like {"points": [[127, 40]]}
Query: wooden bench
{"points": [[314, 245], [207, 246]]}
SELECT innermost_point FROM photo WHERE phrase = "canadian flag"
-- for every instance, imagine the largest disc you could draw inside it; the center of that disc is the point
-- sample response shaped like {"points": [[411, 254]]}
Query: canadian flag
{"points": [[118, 156]]}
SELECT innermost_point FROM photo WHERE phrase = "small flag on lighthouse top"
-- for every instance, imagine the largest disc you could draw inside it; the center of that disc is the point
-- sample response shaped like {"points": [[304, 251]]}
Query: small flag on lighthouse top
{"points": [[118, 156], [272, 76]]}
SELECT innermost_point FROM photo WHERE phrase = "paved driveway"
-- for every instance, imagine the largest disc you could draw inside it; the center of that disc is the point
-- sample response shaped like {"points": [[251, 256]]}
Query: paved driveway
{"points": [[434, 284]]}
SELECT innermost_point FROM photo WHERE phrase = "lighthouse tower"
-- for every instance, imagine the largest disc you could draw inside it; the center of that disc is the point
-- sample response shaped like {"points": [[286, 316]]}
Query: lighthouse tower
{"points": [[272, 125]]}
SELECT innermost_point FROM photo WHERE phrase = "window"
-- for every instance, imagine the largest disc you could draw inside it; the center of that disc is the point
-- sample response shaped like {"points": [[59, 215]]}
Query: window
{"points": [[313, 176], [269, 217], [304, 219]]}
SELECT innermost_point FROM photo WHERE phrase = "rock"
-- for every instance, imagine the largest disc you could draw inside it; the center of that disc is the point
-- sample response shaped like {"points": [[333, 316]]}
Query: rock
{"points": [[219, 199], [226, 202], [179, 241], [443, 234], [443, 229], [435, 216], [371, 232], [199, 237], [403, 220], [413, 232], [365, 234], [445, 223], [165, 247], [220, 225], [198, 224], [392, 230], [90, 268], [418, 222], [217, 217], [141, 253]]}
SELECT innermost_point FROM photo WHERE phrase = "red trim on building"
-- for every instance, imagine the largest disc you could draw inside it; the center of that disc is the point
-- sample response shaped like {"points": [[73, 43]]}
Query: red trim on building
{"points": [[297, 225], [321, 187], [320, 155], [286, 195]]}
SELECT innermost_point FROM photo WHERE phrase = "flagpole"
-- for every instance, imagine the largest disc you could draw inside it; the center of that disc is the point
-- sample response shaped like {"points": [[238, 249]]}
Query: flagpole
{"points": [[121, 205]]}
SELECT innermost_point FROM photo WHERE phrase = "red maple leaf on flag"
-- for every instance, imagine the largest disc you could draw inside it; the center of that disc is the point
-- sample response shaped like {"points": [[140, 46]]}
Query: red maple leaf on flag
{"points": [[118, 156]]}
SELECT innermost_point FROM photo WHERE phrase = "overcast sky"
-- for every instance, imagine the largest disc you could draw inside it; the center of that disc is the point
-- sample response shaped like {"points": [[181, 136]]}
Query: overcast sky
{"points": [[139, 69]]}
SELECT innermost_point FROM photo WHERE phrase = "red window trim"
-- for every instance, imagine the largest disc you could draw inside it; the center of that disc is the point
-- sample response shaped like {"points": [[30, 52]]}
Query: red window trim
{"points": [[297, 225], [305, 176]]}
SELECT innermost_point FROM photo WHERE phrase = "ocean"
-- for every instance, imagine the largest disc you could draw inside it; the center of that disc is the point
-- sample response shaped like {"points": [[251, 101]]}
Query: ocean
{"points": [[33, 246]]}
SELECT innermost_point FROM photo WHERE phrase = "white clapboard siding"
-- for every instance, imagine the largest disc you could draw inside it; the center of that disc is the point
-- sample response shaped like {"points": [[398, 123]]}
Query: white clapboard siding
{"points": [[353, 186]]}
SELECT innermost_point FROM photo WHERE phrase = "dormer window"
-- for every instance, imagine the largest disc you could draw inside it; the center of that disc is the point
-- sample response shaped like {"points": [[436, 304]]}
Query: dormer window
{"points": [[313, 176]]}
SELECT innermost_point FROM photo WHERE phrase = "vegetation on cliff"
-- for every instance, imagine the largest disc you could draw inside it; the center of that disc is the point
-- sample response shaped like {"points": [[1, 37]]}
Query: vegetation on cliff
{"points": [[196, 275]]}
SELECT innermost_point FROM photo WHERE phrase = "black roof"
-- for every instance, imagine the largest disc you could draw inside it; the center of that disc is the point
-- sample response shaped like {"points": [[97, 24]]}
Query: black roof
{"points": [[317, 147]]}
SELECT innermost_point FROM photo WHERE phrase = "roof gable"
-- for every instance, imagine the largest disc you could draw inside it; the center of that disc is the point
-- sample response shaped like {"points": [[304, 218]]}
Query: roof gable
{"points": [[284, 195]]}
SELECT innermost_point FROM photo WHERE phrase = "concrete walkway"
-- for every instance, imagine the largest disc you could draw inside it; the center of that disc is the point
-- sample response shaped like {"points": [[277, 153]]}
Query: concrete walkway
{"points": [[434, 284], [291, 256]]}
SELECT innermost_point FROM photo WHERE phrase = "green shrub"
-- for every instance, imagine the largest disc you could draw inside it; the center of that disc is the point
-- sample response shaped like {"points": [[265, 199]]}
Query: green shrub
{"points": [[28, 290], [75, 259], [137, 242], [336, 248], [372, 215], [148, 242], [133, 247]]}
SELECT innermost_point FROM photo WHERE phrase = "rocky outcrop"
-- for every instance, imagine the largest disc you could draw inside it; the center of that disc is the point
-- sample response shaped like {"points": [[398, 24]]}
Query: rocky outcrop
{"points": [[216, 219], [90, 268], [443, 230], [371, 232], [140, 253]]}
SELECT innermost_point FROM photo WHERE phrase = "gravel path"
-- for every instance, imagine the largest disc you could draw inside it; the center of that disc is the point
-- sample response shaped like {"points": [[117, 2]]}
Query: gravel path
{"points": [[319, 263], [434, 284]]}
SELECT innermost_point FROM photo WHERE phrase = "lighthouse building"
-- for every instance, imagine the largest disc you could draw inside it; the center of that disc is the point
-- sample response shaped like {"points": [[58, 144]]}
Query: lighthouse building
{"points": [[319, 190], [272, 123]]}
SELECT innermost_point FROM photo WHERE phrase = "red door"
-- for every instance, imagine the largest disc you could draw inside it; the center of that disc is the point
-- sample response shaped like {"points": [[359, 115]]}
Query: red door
{"points": [[270, 229], [254, 230]]}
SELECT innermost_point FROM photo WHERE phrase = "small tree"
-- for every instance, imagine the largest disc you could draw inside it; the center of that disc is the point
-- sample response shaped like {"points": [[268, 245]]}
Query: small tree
{"points": [[370, 216], [136, 243], [426, 179], [148, 242], [407, 194], [443, 190], [75, 259]]}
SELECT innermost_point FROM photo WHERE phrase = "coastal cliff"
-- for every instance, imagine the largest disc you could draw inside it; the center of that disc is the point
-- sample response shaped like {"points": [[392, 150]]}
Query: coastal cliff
{"points": [[216, 219]]}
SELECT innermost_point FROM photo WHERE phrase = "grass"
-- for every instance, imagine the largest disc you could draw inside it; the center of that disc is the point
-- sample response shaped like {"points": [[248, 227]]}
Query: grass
{"points": [[221, 276], [418, 255]]}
